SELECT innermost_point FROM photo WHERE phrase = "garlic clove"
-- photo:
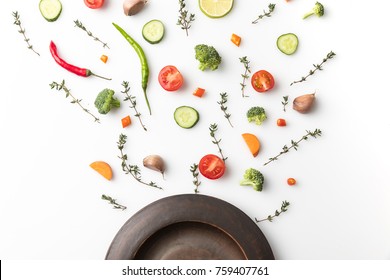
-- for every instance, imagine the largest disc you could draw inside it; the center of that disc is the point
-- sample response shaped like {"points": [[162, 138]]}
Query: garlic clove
{"points": [[304, 103], [154, 162]]}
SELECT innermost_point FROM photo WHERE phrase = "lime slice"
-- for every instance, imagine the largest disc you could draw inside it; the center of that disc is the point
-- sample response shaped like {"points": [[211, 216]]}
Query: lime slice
{"points": [[216, 8]]}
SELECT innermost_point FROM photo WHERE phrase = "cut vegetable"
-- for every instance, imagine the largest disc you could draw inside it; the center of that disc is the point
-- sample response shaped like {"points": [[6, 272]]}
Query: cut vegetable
{"points": [[252, 142], [236, 39], [216, 8], [186, 117], [199, 92], [126, 121], [287, 43], [103, 168], [50, 9], [104, 58], [153, 31]]}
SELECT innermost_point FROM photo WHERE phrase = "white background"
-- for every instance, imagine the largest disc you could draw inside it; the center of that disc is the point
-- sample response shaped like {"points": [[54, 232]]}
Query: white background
{"points": [[50, 198]]}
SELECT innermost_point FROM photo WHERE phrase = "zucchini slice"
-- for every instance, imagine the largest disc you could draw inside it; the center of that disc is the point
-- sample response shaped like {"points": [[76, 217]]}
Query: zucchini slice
{"points": [[186, 117], [287, 43], [50, 9]]}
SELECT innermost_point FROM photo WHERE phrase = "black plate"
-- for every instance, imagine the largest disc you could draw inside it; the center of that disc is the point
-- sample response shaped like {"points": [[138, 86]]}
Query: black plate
{"points": [[190, 227]]}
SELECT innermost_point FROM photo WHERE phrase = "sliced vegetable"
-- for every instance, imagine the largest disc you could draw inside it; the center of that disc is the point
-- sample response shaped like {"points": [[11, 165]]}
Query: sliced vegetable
{"points": [[287, 43], [126, 121], [252, 142], [281, 122], [170, 78], [103, 168], [132, 7], [94, 4], [186, 116], [236, 39], [211, 166], [216, 8], [153, 31], [262, 81], [104, 58], [199, 92], [50, 9]]}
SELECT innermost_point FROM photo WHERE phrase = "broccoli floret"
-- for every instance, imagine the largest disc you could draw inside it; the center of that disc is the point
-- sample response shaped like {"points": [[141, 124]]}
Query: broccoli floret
{"points": [[207, 56], [253, 177], [256, 114], [317, 10], [105, 100]]}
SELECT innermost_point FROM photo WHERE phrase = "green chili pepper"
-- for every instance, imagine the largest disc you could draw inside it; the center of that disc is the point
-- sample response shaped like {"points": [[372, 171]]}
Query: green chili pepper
{"points": [[142, 57]]}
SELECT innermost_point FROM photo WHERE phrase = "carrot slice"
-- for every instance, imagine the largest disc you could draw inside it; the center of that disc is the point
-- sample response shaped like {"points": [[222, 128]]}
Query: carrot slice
{"points": [[236, 39], [252, 142], [199, 92], [126, 121], [103, 168]]}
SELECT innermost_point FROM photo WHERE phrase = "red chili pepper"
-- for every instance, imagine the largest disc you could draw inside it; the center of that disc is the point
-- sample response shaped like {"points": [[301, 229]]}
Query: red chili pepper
{"points": [[71, 68]]}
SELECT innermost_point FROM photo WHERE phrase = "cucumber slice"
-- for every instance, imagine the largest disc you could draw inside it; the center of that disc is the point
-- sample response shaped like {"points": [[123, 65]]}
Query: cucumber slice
{"points": [[186, 117], [153, 31], [50, 9], [287, 43]]}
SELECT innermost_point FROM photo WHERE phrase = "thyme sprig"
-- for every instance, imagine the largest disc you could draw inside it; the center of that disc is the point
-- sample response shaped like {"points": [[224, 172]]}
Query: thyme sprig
{"points": [[133, 170], [22, 31], [330, 55], [294, 144], [222, 102], [244, 60], [213, 128], [184, 20], [271, 8], [80, 25], [133, 102], [285, 102], [62, 86], [113, 202], [195, 173], [270, 218]]}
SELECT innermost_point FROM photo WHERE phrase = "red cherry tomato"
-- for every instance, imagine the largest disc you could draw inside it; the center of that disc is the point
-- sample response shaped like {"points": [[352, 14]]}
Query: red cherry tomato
{"points": [[94, 4], [170, 78], [211, 166], [262, 81], [291, 181], [281, 122]]}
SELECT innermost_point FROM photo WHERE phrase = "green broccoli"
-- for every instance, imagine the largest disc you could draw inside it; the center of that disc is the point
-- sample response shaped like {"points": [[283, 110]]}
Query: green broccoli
{"points": [[207, 56], [256, 114], [317, 10], [253, 177], [105, 101]]}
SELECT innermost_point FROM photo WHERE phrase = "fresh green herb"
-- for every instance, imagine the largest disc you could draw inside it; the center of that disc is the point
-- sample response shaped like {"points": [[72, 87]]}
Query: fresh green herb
{"points": [[184, 20], [133, 170], [244, 76], [271, 8], [22, 30], [62, 86], [80, 25], [330, 55], [222, 103], [294, 144], [213, 128], [132, 100], [113, 202], [270, 218], [195, 173], [285, 102]]}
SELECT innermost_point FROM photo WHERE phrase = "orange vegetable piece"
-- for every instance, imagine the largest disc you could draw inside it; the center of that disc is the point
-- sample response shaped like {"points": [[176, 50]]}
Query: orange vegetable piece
{"points": [[281, 122], [252, 142], [199, 92], [103, 168], [236, 39], [104, 58], [126, 121]]}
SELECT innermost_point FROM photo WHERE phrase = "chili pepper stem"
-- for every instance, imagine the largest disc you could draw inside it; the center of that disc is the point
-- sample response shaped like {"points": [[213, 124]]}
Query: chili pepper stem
{"points": [[93, 74], [147, 102]]}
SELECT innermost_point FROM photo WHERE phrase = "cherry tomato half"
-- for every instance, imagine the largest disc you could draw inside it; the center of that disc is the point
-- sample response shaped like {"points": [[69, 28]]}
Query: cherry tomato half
{"points": [[94, 4], [262, 81], [170, 78], [211, 166]]}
